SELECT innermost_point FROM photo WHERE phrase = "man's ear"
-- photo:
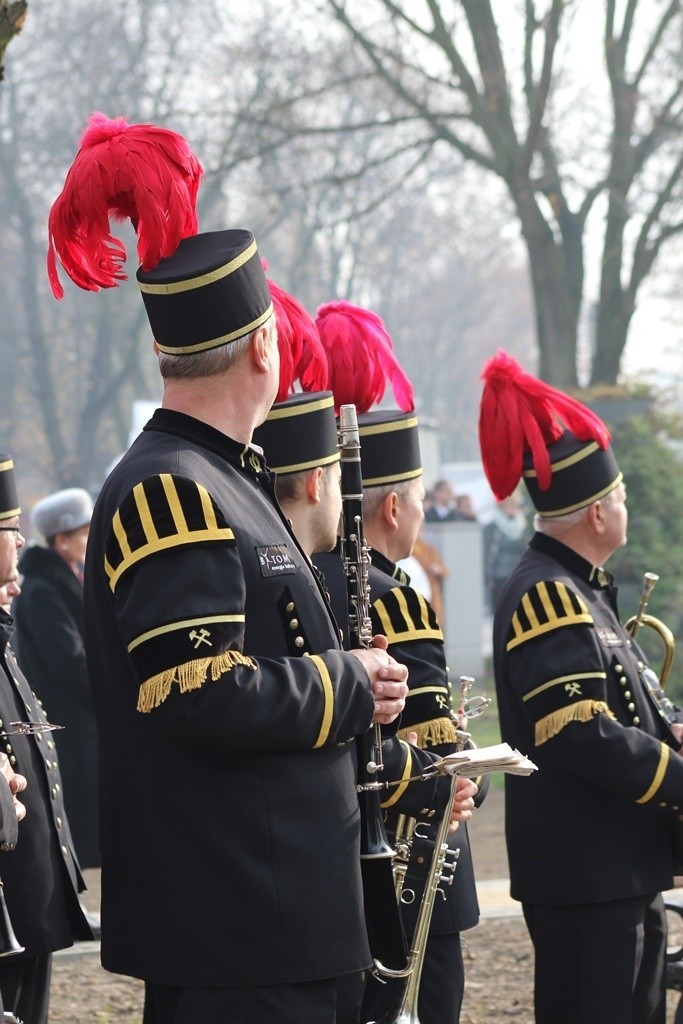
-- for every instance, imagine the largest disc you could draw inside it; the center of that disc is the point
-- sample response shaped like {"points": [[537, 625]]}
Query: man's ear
{"points": [[155, 347], [390, 510], [314, 484], [596, 516], [260, 349]]}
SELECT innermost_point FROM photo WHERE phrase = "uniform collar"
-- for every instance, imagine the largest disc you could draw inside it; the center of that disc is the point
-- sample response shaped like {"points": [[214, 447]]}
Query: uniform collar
{"points": [[381, 561], [247, 457], [6, 629], [594, 575]]}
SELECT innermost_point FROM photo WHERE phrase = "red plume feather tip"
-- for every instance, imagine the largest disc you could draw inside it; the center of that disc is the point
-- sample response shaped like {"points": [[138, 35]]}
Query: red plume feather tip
{"points": [[520, 413], [361, 357], [302, 356], [141, 172]]}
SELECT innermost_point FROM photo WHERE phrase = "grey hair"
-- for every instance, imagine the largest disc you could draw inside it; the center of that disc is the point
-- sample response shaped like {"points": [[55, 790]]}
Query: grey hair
{"points": [[209, 363], [555, 526], [374, 497]]}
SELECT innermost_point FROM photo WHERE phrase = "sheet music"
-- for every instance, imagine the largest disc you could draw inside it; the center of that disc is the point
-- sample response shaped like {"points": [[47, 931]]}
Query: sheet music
{"points": [[500, 757]]}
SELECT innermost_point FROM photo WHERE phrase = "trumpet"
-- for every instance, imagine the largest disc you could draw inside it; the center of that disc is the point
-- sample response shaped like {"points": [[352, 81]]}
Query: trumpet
{"points": [[441, 873], [655, 683]]}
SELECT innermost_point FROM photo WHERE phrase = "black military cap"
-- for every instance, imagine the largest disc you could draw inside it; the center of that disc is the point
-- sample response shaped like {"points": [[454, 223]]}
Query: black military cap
{"points": [[582, 472], [9, 502], [300, 433], [389, 447], [211, 291]]}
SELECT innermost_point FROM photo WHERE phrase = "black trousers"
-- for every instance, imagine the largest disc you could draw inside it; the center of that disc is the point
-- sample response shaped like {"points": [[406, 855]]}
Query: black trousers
{"points": [[331, 1001], [600, 963], [25, 987], [441, 989]]}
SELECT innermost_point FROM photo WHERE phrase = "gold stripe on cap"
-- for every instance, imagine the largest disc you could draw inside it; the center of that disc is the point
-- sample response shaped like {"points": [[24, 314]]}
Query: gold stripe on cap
{"points": [[202, 346], [7, 464], [299, 467], [582, 504], [12, 512], [211, 276], [384, 428], [395, 478], [571, 460], [278, 413]]}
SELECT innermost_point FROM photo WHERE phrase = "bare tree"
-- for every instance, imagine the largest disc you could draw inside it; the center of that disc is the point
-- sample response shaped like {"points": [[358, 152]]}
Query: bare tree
{"points": [[489, 92], [73, 368]]}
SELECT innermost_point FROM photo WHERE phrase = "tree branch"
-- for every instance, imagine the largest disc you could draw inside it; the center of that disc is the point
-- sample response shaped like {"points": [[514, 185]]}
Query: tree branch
{"points": [[644, 255], [539, 96]]}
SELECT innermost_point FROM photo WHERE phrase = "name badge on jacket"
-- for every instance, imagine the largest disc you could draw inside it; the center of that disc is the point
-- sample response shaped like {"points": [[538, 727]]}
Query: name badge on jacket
{"points": [[275, 560]]}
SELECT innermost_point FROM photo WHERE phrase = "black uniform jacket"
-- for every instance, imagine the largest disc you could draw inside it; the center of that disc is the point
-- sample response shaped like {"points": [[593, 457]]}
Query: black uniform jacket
{"points": [[594, 823], [415, 639], [41, 875], [51, 651], [230, 835]]}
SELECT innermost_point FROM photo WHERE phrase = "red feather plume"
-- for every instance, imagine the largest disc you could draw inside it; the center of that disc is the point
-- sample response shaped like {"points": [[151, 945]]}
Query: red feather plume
{"points": [[139, 171], [361, 357], [519, 413], [302, 356]]}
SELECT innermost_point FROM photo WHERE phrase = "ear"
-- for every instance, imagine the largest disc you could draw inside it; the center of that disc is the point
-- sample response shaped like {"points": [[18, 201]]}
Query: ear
{"points": [[596, 517], [260, 349], [314, 485], [390, 510], [155, 348]]}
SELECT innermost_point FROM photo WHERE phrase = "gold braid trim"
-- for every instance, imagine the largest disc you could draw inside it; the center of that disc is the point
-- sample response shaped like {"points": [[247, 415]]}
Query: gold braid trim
{"points": [[190, 676], [430, 734], [555, 722]]}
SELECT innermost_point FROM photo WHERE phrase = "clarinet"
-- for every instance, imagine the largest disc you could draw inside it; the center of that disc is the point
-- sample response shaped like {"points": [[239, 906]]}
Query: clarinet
{"points": [[383, 921]]}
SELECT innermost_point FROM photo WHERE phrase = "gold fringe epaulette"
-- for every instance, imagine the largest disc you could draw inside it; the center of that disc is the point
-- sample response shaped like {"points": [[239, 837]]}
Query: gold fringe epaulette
{"points": [[190, 676], [555, 722], [430, 734]]}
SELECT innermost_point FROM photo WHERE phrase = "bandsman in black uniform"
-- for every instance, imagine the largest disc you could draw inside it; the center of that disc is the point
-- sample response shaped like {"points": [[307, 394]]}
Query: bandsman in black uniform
{"points": [[590, 834], [393, 511], [225, 705], [299, 441], [41, 876]]}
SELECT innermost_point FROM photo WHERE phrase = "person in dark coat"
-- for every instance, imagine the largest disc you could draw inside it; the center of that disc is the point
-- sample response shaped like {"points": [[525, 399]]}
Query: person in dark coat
{"points": [[590, 835], [505, 538], [225, 706], [41, 876], [51, 651], [393, 512]]}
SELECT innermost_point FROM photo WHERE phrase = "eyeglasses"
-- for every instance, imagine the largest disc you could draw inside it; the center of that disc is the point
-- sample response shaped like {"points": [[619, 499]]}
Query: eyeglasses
{"points": [[11, 529]]}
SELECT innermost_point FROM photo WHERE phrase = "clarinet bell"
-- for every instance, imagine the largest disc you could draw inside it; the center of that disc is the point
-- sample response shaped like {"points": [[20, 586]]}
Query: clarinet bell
{"points": [[9, 945]]}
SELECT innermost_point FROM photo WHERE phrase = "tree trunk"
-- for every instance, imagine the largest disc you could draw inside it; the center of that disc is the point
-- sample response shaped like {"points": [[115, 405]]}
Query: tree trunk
{"points": [[614, 318], [556, 283], [12, 16]]}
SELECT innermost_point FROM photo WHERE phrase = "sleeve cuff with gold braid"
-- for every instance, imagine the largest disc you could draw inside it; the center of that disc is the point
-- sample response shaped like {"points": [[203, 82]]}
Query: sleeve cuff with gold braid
{"points": [[431, 733], [581, 711], [192, 675], [658, 778]]}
